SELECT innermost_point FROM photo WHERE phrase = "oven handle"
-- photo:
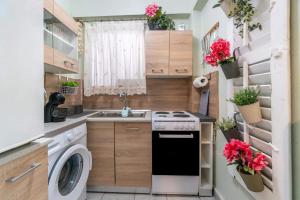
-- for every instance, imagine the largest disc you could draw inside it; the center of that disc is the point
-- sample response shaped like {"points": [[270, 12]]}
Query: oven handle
{"points": [[175, 136]]}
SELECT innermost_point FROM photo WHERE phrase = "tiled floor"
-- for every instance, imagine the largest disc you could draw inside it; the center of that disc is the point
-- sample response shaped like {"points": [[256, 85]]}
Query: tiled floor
{"points": [[110, 196]]}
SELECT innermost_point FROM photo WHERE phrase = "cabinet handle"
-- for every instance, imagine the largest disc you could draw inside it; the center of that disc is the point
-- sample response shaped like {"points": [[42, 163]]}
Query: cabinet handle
{"points": [[181, 70], [67, 63], [157, 71], [176, 136], [133, 129], [16, 178]]}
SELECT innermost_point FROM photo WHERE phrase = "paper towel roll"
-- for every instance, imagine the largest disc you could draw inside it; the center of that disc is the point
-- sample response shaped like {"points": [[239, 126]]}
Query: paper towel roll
{"points": [[201, 81]]}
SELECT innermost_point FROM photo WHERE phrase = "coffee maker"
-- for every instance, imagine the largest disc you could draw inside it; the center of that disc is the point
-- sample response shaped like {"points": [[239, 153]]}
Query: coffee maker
{"points": [[52, 113]]}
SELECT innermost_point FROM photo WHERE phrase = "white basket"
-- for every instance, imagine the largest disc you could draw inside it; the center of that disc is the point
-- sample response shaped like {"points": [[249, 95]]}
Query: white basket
{"points": [[69, 90]]}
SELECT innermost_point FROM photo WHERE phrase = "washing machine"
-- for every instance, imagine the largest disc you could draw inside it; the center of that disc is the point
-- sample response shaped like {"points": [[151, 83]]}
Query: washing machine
{"points": [[69, 165]]}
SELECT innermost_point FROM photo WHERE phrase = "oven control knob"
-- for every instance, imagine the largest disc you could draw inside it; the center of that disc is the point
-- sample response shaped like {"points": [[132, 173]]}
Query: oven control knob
{"points": [[156, 126]]}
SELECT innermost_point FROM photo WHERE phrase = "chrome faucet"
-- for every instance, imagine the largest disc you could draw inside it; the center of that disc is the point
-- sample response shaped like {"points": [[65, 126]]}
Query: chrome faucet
{"points": [[125, 101]]}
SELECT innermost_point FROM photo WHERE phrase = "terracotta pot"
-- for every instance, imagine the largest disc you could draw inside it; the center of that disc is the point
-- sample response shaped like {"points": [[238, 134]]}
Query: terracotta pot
{"points": [[254, 182], [233, 133], [251, 113], [231, 70], [228, 7]]}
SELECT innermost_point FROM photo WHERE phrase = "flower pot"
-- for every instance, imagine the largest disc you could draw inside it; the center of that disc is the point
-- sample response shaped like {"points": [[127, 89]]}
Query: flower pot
{"points": [[153, 25], [231, 70], [233, 133], [228, 7], [254, 182], [251, 113]]}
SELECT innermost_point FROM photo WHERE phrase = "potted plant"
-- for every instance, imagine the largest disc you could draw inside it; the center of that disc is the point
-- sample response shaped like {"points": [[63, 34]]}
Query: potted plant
{"points": [[248, 164], [247, 102], [242, 11], [229, 129], [220, 55], [157, 19], [69, 87]]}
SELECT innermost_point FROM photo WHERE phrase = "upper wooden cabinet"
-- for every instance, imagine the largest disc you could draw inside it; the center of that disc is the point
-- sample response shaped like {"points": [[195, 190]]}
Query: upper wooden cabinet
{"points": [[169, 53], [157, 52], [25, 177], [181, 53], [60, 40]]}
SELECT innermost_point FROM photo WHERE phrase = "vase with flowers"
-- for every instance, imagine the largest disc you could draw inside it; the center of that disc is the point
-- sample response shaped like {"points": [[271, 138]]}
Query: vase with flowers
{"points": [[248, 164], [220, 55], [157, 19]]}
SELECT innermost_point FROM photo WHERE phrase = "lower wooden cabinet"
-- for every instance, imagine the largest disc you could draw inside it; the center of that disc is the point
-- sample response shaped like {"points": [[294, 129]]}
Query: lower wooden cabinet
{"points": [[121, 154], [100, 142], [133, 154], [32, 185]]}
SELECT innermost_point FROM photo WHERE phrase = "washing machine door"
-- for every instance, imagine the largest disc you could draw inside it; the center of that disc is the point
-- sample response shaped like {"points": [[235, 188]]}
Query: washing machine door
{"points": [[70, 173]]}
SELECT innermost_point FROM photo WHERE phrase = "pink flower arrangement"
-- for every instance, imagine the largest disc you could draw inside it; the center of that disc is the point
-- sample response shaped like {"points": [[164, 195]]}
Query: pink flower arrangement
{"points": [[220, 53], [238, 152], [151, 10]]}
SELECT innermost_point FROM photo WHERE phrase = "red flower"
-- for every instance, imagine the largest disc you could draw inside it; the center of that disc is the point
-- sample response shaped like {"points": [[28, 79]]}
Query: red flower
{"points": [[220, 52], [258, 163], [151, 10]]}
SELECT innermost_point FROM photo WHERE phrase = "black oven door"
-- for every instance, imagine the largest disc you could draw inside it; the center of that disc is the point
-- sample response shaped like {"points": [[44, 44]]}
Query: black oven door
{"points": [[175, 153]]}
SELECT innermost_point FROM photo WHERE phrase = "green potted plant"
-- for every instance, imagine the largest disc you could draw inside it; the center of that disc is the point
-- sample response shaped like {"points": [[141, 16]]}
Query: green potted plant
{"points": [[69, 87], [242, 11], [229, 128], [247, 103], [157, 19], [248, 164], [220, 55]]}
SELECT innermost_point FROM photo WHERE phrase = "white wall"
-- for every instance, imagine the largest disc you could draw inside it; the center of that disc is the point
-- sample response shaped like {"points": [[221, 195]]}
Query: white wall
{"points": [[201, 21], [88, 8]]}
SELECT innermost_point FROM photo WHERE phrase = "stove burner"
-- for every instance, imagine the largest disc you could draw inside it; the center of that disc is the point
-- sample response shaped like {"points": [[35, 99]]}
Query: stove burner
{"points": [[181, 115], [162, 113], [178, 112]]}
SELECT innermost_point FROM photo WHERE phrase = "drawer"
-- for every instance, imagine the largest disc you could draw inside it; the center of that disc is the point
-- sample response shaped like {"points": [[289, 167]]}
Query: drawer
{"points": [[49, 5], [26, 177]]}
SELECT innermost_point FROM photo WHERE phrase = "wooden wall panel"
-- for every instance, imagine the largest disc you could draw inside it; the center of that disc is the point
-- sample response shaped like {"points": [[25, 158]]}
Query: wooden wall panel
{"points": [[213, 109], [162, 94], [52, 85]]}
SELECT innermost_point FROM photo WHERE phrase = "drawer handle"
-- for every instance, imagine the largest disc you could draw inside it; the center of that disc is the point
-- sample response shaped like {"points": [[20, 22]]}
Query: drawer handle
{"points": [[16, 178], [176, 136], [66, 63], [157, 71], [133, 129], [181, 70]]}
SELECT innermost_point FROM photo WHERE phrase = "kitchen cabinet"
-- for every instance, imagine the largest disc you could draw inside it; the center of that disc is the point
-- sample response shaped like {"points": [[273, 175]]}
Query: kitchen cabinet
{"points": [[60, 40], [181, 53], [121, 154], [33, 184], [169, 53], [133, 154], [157, 52], [100, 141]]}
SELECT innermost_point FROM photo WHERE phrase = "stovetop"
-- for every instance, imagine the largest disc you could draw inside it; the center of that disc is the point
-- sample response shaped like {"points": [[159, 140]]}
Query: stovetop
{"points": [[174, 120]]}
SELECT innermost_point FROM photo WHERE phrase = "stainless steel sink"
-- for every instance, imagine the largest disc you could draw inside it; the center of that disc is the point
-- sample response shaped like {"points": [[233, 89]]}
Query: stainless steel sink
{"points": [[114, 114]]}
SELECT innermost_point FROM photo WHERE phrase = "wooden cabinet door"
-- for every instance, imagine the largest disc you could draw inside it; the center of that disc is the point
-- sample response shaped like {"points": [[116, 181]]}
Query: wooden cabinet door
{"points": [[64, 62], [49, 5], [48, 55], [181, 53], [100, 141], [33, 185], [133, 154], [157, 53]]}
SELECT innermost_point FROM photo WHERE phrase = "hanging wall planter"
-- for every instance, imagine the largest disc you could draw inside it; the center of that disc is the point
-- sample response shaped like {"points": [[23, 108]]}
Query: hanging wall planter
{"points": [[251, 113], [229, 128], [254, 182], [231, 70], [247, 103]]}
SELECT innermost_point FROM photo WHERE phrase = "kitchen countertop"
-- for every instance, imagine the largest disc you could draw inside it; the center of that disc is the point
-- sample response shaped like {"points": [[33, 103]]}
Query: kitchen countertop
{"points": [[58, 127], [204, 118], [23, 150]]}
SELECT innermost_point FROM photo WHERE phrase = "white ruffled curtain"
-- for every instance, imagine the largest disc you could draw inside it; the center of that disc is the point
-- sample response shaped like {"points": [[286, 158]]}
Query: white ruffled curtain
{"points": [[114, 58]]}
